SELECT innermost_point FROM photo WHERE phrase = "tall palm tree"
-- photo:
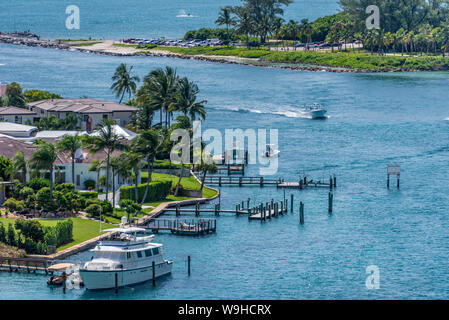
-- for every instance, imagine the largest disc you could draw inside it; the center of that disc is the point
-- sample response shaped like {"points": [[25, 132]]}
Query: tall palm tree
{"points": [[124, 82], [159, 91], [70, 144], [307, 29], [225, 18], [105, 139], [146, 144], [19, 164], [244, 25], [186, 100], [43, 159]]}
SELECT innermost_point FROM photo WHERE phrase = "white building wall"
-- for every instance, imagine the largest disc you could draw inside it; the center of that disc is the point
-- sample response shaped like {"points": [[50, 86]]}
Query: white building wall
{"points": [[21, 119]]}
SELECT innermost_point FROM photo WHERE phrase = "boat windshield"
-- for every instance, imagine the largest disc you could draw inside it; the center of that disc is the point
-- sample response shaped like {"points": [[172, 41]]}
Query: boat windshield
{"points": [[108, 255]]}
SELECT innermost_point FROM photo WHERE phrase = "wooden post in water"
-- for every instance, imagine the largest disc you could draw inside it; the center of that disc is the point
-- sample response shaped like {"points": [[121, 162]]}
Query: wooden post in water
{"points": [[116, 283], [300, 184], [331, 184], [178, 213], [398, 177], [291, 202], [188, 265], [282, 205], [64, 282], [237, 209], [301, 212], [240, 181], [335, 181], [248, 202], [197, 209], [153, 264], [388, 181], [331, 200], [219, 181]]}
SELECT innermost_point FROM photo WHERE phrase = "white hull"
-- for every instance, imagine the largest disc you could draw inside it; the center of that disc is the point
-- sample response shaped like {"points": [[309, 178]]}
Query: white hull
{"points": [[101, 280], [317, 114]]}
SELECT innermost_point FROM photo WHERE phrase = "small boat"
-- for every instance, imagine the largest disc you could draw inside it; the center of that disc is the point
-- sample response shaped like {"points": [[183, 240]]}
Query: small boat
{"points": [[270, 151], [315, 111], [126, 259], [58, 280]]}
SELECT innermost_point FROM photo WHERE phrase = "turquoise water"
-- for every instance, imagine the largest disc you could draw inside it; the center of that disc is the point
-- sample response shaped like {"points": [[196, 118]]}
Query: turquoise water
{"points": [[131, 18], [375, 120]]}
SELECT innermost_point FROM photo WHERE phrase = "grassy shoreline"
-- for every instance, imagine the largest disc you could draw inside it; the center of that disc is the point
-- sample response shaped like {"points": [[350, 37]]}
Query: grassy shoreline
{"points": [[350, 60]]}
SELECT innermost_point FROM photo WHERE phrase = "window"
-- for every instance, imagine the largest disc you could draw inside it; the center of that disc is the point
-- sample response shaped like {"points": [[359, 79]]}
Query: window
{"points": [[128, 255], [105, 116], [139, 254], [18, 119], [155, 251], [148, 253]]}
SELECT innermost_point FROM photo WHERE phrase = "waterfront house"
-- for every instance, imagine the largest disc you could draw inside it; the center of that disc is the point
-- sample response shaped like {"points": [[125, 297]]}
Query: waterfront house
{"points": [[16, 115], [63, 164], [89, 111]]}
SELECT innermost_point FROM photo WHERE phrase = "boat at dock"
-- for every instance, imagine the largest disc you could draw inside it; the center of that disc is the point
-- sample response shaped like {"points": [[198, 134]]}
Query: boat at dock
{"points": [[314, 111], [126, 259]]}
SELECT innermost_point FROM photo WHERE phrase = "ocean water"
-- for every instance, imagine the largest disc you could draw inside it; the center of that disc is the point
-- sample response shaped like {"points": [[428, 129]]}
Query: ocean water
{"points": [[131, 18]]}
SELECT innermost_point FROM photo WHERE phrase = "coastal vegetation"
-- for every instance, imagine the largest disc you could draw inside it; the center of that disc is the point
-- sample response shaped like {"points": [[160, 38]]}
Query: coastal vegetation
{"points": [[16, 97]]}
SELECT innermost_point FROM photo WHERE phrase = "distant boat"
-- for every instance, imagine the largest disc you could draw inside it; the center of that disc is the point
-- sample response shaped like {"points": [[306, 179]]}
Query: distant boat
{"points": [[270, 151], [314, 111], [183, 14]]}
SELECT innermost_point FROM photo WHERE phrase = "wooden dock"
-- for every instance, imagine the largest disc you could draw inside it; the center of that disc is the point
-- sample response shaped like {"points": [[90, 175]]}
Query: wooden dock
{"points": [[29, 265], [269, 210], [186, 227], [241, 181]]}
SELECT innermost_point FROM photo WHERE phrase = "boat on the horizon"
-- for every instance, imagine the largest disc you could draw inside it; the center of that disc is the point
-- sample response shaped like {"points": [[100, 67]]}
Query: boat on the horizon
{"points": [[270, 151], [126, 259], [183, 14], [314, 111]]}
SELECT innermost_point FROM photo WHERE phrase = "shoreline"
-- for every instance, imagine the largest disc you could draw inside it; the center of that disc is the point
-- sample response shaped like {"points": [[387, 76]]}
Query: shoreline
{"points": [[107, 48]]}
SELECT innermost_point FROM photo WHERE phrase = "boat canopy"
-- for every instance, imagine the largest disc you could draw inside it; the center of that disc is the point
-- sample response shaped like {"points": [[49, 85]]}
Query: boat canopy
{"points": [[127, 230]]}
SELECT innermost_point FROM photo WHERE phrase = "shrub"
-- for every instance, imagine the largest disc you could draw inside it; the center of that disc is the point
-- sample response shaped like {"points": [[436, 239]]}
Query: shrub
{"points": [[89, 184], [26, 192], [44, 201], [38, 183], [65, 187], [14, 205], [156, 191], [89, 195], [93, 210], [11, 236], [2, 233], [30, 229]]}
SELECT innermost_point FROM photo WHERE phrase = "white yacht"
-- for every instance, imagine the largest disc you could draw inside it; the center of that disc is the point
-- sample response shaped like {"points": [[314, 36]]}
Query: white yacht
{"points": [[314, 111], [126, 259]]}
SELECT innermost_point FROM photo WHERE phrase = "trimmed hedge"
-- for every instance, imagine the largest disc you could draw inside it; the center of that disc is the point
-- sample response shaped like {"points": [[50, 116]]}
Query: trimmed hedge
{"points": [[156, 191]]}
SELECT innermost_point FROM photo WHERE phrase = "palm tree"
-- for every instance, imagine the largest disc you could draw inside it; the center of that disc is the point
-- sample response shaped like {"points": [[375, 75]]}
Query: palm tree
{"points": [[159, 91], [146, 144], [19, 164], [307, 29], [124, 82], [186, 100], [70, 144], [116, 164], [43, 159], [96, 166], [224, 18], [243, 24], [133, 161], [107, 140]]}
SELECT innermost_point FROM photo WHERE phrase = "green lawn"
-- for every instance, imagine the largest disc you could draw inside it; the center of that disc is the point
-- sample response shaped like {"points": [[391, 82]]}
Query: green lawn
{"points": [[83, 229], [188, 183]]}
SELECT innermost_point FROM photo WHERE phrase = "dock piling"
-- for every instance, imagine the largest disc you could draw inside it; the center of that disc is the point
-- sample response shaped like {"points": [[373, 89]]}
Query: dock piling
{"points": [[291, 202], [331, 200], [116, 283], [188, 265], [301, 212], [153, 264]]}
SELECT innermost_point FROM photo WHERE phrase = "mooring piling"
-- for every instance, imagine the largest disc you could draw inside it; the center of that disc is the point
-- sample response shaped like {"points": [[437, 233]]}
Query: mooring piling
{"points": [[188, 265], [116, 283], [301, 212], [291, 202], [153, 264], [331, 200]]}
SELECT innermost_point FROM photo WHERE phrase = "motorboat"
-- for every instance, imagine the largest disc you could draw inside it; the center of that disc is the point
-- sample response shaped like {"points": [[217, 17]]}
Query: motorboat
{"points": [[270, 151], [314, 111], [126, 259]]}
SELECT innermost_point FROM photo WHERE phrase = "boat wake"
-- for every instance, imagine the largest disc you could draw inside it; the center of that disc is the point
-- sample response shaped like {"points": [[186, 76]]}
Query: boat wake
{"points": [[184, 14], [287, 113]]}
